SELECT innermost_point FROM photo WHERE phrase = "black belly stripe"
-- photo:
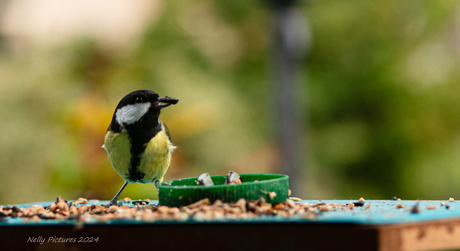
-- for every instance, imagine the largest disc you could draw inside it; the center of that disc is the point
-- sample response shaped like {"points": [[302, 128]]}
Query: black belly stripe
{"points": [[134, 175], [139, 142]]}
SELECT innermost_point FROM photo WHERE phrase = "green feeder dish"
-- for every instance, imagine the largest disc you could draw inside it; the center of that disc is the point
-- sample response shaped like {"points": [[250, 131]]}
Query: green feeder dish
{"points": [[273, 187]]}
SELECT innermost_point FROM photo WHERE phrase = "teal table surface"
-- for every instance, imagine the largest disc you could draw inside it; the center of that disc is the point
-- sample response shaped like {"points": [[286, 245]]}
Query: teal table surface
{"points": [[379, 212], [377, 225]]}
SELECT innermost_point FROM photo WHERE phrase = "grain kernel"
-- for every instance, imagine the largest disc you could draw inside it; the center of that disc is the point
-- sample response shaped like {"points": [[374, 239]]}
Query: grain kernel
{"points": [[325, 208], [290, 203], [53, 207], [162, 209], [295, 198], [62, 206]]}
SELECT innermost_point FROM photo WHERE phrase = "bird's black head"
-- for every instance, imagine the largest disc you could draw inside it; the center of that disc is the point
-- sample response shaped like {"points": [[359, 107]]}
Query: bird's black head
{"points": [[139, 106]]}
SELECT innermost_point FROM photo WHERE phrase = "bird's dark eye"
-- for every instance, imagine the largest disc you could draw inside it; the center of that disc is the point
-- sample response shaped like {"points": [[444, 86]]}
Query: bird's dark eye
{"points": [[139, 99]]}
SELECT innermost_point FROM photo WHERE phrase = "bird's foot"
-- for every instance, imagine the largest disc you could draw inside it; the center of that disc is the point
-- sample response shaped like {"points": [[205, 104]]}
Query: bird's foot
{"points": [[114, 203]]}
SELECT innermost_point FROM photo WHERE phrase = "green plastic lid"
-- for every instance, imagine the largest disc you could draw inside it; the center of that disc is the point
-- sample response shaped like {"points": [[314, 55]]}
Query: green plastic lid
{"points": [[273, 187]]}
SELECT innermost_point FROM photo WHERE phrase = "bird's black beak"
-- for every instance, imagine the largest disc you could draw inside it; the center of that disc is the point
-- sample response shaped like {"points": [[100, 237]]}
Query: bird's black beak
{"points": [[165, 101]]}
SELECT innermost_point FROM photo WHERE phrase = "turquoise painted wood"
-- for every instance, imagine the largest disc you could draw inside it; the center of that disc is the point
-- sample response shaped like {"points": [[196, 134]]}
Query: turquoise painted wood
{"points": [[380, 212]]}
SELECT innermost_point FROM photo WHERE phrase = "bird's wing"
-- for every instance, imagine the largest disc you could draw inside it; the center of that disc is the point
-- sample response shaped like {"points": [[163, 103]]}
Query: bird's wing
{"points": [[167, 131]]}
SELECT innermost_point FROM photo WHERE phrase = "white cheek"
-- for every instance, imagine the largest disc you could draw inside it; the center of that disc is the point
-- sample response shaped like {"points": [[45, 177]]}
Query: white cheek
{"points": [[131, 113]]}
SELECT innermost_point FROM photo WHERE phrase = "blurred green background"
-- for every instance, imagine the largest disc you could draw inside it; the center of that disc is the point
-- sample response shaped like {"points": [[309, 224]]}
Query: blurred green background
{"points": [[378, 94]]}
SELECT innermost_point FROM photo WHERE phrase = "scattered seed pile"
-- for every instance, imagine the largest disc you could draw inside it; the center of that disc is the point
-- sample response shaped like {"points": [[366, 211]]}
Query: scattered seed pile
{"points": [[143, 211], [84, 211]]}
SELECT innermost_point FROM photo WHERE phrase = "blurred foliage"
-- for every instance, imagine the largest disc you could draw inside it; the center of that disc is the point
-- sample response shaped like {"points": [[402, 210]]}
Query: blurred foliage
{"points": [[379, 88], [384, 103]]}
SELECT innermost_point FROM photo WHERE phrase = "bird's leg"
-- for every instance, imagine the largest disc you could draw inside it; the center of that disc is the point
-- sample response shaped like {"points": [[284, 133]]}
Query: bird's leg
{"points": [[115, 198], [157, 183]]}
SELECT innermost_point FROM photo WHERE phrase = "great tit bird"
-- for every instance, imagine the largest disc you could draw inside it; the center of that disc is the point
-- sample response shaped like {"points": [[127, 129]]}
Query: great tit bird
{"points": [[138, 144]]}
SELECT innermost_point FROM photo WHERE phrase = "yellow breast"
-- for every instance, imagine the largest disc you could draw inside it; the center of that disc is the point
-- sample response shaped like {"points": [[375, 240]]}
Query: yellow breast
{"points": [[155, 159], [118, 147]]}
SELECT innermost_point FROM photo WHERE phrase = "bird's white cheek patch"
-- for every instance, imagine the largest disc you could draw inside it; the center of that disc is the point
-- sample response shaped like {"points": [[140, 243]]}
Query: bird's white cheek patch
{"points": [[131, 113]]}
